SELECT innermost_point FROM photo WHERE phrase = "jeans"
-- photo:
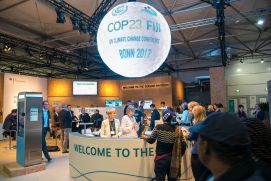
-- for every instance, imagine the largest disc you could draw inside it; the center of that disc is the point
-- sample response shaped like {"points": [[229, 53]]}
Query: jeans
{"points": [[162, 168], [43, 142], [65, 138], [197, 167]]}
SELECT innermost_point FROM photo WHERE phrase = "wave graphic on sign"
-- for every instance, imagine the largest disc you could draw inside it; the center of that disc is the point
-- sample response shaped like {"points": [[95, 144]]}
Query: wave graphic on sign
{"points": [[102, 171]]}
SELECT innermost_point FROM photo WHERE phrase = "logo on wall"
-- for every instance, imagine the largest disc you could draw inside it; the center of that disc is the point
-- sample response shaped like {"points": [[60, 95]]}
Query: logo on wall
{"points": [[133, 39]]}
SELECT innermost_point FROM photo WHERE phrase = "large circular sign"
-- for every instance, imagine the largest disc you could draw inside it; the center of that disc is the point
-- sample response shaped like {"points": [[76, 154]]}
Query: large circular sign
{"points": [[133, 39]]}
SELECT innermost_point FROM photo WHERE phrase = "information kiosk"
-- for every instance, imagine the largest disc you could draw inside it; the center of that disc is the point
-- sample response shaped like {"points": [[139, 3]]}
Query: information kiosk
{"points": [[29, 128]]}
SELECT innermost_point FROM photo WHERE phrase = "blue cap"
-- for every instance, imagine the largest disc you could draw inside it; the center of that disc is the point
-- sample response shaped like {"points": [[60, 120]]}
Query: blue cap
{"points": [[225, 128], [167, 115]]}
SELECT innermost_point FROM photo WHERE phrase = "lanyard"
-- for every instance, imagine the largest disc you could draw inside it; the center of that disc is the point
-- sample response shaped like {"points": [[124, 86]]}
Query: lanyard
{"points": [[112, 125]]}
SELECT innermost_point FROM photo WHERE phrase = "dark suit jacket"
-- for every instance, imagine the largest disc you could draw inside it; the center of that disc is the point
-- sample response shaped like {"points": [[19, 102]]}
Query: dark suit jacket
{"points": [[68, 120], [49, 117], [84, 118], [155, 115], [61, 116]]}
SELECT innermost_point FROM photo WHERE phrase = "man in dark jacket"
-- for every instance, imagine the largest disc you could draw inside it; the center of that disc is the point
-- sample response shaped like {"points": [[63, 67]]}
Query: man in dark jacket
{"points": [[45, 126], [97, 118], [84, 118], [66, 118], [154, 116], [10, 123]]}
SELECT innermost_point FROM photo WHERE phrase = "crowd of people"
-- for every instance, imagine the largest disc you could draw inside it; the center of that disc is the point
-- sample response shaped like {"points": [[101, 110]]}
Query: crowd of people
{"points": [[225, 146]]}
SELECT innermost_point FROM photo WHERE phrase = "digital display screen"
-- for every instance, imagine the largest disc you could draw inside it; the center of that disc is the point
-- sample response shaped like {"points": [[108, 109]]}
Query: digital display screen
{"points": [[85, 88], [113, 103], [34, 114], [146, 104]]}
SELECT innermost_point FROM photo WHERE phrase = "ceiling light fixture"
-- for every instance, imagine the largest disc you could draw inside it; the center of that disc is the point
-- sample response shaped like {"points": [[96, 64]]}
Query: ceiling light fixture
{"points": [[238, 70], [7, 48], [260, 22], [237, 90]]}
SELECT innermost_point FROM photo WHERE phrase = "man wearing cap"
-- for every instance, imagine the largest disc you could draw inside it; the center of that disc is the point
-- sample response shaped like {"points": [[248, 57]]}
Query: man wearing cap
{"points": [[223, 147], [165, 136]]}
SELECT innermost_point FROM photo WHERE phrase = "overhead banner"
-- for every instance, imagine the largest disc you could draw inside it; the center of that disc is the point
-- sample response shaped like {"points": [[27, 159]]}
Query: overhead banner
{"points": [[133, 39], [144, 86]]}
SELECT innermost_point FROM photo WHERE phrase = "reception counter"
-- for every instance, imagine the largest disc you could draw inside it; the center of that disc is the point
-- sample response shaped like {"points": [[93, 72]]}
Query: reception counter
{"points": [[96, 159]]}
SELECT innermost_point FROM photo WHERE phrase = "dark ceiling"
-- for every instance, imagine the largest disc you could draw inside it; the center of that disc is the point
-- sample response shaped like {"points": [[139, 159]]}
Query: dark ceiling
{"points": [[32, 43]]}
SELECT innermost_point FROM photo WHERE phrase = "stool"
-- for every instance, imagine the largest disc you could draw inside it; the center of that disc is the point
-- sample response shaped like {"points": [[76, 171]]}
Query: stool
{"points": [[9, 133]]}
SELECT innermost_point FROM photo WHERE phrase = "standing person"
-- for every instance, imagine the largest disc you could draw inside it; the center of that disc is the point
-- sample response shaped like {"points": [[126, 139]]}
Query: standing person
{"points": [[184, 118], [139, 117], [97, 118], [190, 116], [259, 114], [219, 107], [84, 118], [55, 121], [210, 109], [241, 113], [163, 105], [61, 116], [129, 126], [71, 112], [128, 103], [154, 116], [45, 127], [223, 147], [66, 119], [10, 123], [110, 126], [198, 168], [141, 106], [165, 136]]}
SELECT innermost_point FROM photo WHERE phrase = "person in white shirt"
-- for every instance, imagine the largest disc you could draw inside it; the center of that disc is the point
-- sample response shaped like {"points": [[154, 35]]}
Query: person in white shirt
{"points": [[129, 126], [110, 126], [163, 105]]}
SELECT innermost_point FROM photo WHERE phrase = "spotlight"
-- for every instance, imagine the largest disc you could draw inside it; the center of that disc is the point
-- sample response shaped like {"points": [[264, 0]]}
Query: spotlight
{"points": [[262, 61], [266, 89], [237, 90], [238, 70], [75, 23], [7, 48], [41, 56], [242, 60], [60, 15], [260, 22]]}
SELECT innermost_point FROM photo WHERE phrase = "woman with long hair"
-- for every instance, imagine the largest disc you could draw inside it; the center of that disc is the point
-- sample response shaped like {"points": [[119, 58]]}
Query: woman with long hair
{"points": [[198, 168]]}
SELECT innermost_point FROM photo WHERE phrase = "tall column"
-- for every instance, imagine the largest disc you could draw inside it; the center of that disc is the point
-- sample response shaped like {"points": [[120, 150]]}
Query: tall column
{"points": [[218, 86]]}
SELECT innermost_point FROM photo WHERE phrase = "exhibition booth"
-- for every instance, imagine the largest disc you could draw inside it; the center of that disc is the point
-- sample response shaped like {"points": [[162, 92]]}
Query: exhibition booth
{"points": [[95, 158]]}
